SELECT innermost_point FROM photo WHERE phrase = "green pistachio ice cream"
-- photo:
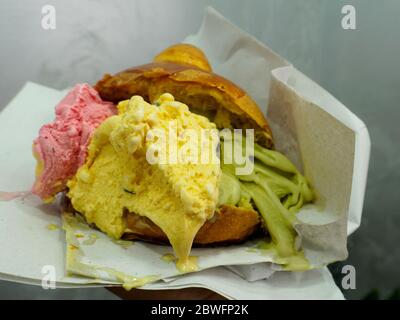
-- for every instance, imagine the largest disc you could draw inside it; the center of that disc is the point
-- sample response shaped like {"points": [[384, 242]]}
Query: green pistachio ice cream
{"points": [[277, 190]]}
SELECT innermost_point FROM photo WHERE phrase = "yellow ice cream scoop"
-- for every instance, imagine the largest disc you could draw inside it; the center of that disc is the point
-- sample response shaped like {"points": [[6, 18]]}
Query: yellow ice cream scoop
{"points": [[158, 161]]}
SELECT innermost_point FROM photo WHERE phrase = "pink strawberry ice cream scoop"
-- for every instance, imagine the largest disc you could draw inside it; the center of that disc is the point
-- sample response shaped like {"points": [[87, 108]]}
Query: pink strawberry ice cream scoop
{"points": [[61, 147]]}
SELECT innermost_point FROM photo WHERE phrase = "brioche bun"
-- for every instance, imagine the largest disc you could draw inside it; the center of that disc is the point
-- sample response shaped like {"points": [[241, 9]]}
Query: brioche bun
{"points": [[183, 53], [228, 225], [184, 71], [188, 80]]}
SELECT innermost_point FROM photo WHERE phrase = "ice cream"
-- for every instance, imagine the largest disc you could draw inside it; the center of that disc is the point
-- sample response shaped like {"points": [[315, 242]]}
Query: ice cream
{"points": [[118, 176], [278, 191], [61, 147]]}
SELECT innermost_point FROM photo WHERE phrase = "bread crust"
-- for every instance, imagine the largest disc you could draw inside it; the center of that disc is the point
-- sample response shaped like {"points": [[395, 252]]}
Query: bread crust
{"points": [[229, 225], [203, 91], [184, 53]]}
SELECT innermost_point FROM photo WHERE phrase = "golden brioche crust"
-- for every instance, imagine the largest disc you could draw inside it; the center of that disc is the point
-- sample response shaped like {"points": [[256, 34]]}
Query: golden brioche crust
{"points": [[229, 225], [204, 92], [184, 53]]}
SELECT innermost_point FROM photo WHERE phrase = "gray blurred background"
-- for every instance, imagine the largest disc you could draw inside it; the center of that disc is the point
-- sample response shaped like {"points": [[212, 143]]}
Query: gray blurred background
{"points": [[359, 67]]}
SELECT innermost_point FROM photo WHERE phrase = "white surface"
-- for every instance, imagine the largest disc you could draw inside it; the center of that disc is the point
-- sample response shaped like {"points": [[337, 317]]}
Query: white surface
{"points": [[310, 285]]}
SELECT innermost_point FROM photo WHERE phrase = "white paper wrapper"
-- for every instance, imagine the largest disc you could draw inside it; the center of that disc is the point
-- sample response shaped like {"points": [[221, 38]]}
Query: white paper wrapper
{"points": [[315, 130]]}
